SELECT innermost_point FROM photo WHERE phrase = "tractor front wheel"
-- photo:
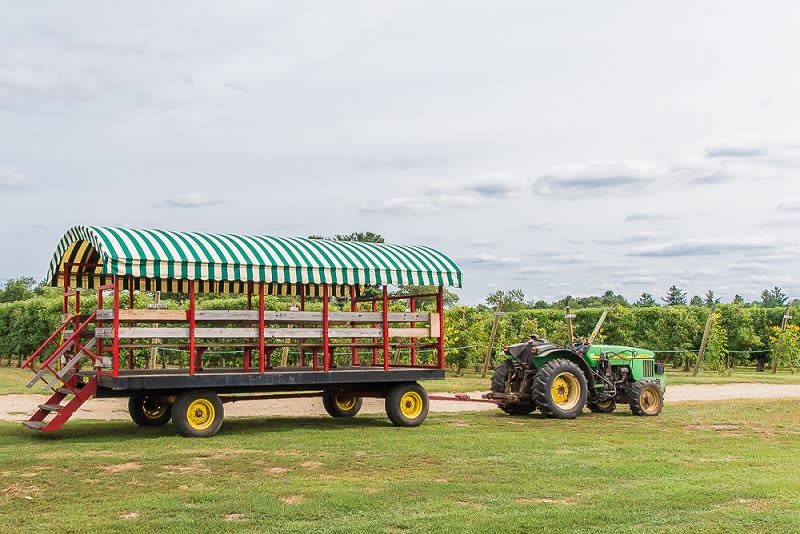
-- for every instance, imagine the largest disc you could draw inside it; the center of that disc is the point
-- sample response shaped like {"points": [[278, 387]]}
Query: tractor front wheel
{"points": [[559, 389], [646, 398], [603, 406]]}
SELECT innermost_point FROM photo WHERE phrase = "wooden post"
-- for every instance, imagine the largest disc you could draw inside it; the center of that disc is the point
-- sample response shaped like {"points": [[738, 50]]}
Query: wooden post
{"points": [[247, 350], [191, 327], [353, 308], [412, 307], [261, 355], [569, 316], [326, 364], [598, 326], [155, 341], [374, 339], [385, 328], [784, 322], [703, 343], [130, 323], [440, 310], [497, 314], [115, 346]]}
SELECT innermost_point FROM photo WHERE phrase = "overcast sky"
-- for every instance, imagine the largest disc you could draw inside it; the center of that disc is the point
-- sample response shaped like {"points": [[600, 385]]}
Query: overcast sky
{"points": [[558, 147]]}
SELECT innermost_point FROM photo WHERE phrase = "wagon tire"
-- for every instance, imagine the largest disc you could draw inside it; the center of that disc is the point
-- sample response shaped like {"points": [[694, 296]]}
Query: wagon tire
{"points": [[407, 404], [560, 390], [342, 405], [197, 414], [149, 411]]}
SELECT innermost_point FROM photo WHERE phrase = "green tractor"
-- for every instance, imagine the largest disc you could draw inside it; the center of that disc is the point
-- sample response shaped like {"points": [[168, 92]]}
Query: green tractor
{"points": [[559, 380]]}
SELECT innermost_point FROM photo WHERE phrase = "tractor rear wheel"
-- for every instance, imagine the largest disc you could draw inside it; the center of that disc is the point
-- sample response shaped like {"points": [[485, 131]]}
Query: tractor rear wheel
{"points": [[646, 398], [603, 406], [499, 379], [559, 389], [341, 405], [500, 376], [517, 409]]}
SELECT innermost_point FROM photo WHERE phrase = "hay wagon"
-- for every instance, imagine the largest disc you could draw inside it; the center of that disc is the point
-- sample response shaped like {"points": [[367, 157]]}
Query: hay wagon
{"points": [[381, 345]]}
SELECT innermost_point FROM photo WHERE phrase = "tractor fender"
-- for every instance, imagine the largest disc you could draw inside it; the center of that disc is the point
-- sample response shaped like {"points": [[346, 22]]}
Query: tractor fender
{"points": [[563, 354]]}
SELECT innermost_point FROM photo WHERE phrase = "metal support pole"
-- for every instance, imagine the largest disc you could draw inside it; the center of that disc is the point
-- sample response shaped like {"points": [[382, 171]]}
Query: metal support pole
{"points": [[261, 355], [440, 310], [116, 327], [65, 306], [326, 364], [191, 327], [302, 308], [385, 328]]}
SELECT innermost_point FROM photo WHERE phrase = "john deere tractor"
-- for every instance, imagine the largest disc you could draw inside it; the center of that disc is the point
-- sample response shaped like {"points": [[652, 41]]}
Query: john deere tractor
{"points": [[559, 380]]}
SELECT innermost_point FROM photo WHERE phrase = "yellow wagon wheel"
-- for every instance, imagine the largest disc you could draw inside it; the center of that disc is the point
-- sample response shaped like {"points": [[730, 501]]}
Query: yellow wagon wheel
{"points": [[197, 413], [407, 404], [342, 404]]}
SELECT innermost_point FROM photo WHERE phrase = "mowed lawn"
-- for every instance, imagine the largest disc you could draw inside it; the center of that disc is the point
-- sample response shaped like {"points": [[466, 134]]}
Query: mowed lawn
{"points": [[721, 467]]}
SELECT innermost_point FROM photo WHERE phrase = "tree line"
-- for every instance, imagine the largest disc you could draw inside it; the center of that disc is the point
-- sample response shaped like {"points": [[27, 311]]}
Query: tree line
{"points": [[742, 333]]}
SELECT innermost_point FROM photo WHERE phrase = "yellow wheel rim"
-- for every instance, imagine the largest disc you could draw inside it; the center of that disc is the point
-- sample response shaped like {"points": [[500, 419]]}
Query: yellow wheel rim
{"points": [[565, 390], [200, 414], [606, 403], [346, 403], [649, 400], [152, 409], [411, 404]]}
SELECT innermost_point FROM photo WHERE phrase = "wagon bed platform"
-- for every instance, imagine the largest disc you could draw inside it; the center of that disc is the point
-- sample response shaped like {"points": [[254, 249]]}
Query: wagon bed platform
{"points": [[236, 380]]}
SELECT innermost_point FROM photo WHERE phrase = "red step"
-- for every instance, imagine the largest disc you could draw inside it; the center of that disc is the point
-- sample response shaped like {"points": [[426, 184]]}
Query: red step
{"points": [[62, 412]]}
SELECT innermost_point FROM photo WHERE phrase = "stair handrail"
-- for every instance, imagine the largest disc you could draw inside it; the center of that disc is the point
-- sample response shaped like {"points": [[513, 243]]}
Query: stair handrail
{"points": [[49, 340], [70, 339]]}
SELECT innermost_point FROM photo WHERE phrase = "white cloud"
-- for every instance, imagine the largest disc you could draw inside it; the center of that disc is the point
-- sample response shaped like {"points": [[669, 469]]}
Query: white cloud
{"points": [[190, 200], [483, 258], [599, 177], [12, 180]]}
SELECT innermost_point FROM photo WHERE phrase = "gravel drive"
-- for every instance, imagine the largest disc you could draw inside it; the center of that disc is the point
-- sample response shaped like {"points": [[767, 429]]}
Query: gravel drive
{"points": [[20, 407]]}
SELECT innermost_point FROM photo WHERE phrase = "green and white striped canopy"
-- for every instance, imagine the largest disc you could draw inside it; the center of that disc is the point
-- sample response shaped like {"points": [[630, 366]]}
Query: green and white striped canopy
{"points": [[98, 252]]}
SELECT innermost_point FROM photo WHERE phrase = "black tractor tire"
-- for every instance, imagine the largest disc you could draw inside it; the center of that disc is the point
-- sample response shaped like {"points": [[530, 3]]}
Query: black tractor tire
{"points": [[603, 406], [197, 414], [342, 405], [149, 411], [560, 390], [500, 376], [407, 404], [518, 409], [646, 398]]}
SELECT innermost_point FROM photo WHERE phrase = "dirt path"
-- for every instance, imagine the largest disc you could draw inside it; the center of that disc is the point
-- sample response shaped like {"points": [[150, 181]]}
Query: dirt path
{"points": [[20, 407]]}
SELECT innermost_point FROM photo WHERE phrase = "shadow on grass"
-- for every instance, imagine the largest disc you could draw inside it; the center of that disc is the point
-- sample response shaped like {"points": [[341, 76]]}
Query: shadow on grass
{"points": [[87, 431]]}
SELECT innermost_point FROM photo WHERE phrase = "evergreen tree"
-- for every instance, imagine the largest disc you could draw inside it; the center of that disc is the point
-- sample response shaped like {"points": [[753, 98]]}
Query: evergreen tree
{"points": [[773, 298], [696, 301], [710, 301], [738, 299], [646, 301], [675, 296]]}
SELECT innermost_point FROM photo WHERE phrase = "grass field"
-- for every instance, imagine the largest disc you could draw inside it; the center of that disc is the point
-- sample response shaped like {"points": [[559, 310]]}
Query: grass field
{"points": [[13, 380], [722, 467]]}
